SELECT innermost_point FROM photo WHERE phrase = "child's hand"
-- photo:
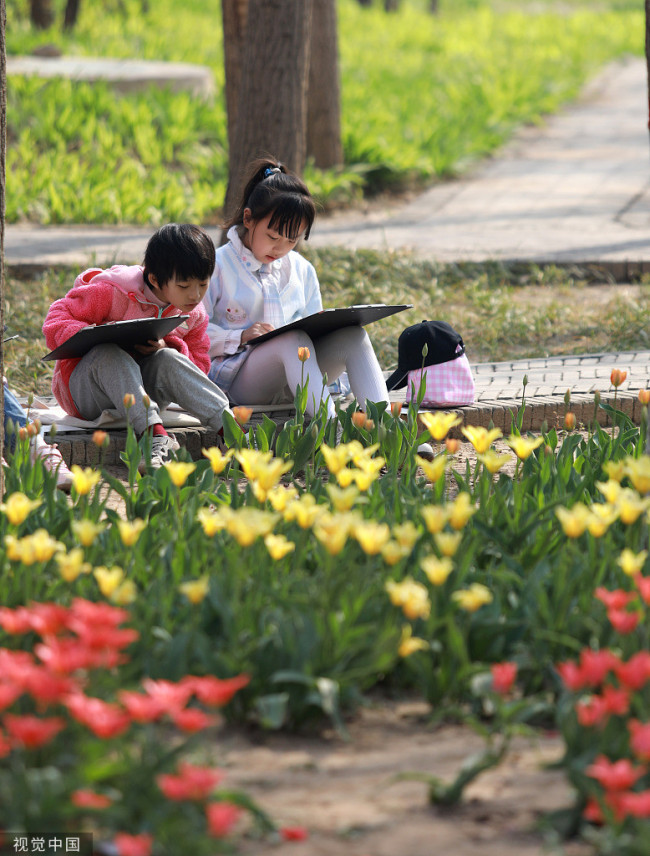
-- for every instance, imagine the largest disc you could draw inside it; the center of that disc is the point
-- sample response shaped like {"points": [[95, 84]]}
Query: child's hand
{"points": [[151, 346], [255, 330]]}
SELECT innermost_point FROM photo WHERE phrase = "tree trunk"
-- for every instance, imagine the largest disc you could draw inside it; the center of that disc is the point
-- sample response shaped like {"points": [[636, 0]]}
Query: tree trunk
{"points": [[324, 95], [3, 172], [272, 103], [41, 14], [71, 14], [391, 5], [433, 7], [234, 15]]}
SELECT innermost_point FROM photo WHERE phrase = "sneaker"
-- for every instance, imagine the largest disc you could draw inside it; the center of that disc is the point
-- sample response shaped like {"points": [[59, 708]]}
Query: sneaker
{"points": [[53, 462], [162, 446], [425, 450]]}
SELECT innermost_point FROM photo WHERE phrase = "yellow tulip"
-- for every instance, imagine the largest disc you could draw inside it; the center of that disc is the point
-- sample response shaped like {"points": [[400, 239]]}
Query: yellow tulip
{"points": [[493, 461], [280, 497], [434, 469], [72, 564], [195, 590], [461, 510], [108, 579], [335, 458], [437, 570], [409, 644], [523, 447], [602, 516], [218, 460], [304, 511], [411, 597], [473, 598], [362, 479], [345, 477], [333, 530], [371, 536], [610, 489], [18, 506], [480, 437], [638, 471], [630, 505], [439, 423], [37, 547], [213, 521], [125, 593], [632, 563], [83, 480], [130, 530], [574, 520], [406, 534], [392, 552], [615, 470], [435, 517], [278, 546], [342, 499], [247, 524], [86, 531], [179, 471], [448, 542]]}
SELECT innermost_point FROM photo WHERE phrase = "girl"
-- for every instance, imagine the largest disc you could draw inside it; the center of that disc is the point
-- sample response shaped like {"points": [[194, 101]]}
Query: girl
{"points": [[260, 283], [173, 279]]}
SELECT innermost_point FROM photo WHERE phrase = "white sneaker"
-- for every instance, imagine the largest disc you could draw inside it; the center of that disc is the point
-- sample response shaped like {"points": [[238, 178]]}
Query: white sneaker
{"points": [[425, 450], [162, 446], [53, 461]]}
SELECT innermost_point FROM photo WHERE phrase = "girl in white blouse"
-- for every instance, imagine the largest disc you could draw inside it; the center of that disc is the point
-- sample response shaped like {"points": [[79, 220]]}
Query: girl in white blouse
{"points": [[261, 283]]}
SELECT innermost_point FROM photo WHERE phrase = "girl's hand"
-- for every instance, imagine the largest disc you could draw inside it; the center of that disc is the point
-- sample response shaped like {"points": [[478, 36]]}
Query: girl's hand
{"points": [[152, 346], [255, 330]]}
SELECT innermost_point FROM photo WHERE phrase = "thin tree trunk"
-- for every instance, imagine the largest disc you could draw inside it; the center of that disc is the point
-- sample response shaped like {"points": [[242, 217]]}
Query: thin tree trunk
{"points": [[71, 14], [234, 15], [41, 14], [324, 98], [433, 6], [3, 172], [272, 104]]}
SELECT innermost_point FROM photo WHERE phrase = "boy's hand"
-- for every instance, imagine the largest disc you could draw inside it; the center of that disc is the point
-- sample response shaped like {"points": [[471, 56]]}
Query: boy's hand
{"points": [[255, 330], [151, 346]]}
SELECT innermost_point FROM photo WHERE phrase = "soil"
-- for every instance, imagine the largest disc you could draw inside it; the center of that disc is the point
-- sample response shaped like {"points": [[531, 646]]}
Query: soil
{"points": [[349, 796]]}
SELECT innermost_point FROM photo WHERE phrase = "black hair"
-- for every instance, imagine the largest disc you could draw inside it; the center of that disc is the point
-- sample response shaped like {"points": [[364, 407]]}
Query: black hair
{"points": [[179, 249], [271, 189]]}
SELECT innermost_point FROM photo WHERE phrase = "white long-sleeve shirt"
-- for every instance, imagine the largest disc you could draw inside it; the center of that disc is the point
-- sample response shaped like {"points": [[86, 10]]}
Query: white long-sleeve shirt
{"points": [[243, 291]]}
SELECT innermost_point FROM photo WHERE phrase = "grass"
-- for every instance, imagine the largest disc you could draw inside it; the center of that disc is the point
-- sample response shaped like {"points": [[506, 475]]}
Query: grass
{"points": [[423, 96], [503, 312]]}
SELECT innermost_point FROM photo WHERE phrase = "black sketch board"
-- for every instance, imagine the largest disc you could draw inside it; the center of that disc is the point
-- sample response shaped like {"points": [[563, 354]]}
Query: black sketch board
{"points": [[126, 334], [329, 320]]}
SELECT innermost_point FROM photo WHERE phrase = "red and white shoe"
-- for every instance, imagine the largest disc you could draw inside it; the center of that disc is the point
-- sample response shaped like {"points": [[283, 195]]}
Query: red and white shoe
{"points": [[53, 461]]}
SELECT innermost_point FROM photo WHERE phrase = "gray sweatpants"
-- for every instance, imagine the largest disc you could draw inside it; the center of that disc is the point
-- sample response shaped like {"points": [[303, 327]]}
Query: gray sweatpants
{"points": [[107, 373]]}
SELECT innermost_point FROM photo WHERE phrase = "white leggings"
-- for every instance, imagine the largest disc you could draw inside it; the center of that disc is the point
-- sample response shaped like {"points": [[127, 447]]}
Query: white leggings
{"points": [[274, 365]]}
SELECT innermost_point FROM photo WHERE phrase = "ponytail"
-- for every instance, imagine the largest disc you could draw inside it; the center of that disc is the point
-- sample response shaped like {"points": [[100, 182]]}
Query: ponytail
{"points": [[272, 190]]}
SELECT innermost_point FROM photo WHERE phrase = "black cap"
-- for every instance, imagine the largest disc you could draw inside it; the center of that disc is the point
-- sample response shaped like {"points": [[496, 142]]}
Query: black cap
{"points": [[443, 344]]}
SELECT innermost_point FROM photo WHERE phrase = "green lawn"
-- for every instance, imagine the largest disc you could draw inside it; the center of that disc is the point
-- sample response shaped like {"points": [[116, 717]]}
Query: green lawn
{"points": [[423, 96]]}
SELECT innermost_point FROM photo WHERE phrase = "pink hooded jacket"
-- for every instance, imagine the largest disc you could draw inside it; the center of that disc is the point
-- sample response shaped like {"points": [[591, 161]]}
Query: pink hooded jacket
{"points": [[116, 294]]}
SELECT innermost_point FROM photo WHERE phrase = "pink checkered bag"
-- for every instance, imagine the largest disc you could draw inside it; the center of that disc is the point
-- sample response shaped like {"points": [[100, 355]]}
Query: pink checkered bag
{"points": [[448, 384]]}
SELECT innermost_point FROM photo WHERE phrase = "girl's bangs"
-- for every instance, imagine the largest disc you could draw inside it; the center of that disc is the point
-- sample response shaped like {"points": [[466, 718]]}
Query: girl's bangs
{"points": [[290, 215]]}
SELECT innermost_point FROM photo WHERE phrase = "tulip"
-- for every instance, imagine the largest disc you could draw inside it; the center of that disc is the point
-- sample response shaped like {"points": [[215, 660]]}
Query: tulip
{"points": [[439, 424], [617, 377], [437, 570], [644, 397], [179, 471], [242, 414], [303, 354], [480, 437], [503, 677], [409, 644], [218, 460], [278, 546], [411, 597], [18, 507], [130, 530], [83, 480], [221, 816], [472, 598], [523, 447]]}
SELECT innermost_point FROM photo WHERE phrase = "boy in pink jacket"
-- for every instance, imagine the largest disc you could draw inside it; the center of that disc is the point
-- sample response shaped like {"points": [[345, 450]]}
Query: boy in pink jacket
{"points": [[178, 263]]}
